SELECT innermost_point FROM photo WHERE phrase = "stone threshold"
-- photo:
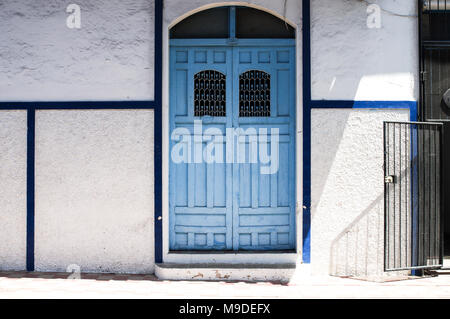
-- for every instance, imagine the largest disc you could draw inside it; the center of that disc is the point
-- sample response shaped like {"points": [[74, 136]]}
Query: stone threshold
{"points": [[226, 272]]}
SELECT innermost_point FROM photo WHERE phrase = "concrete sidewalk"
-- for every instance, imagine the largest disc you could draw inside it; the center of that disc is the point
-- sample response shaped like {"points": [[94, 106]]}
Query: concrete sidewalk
{"points": [[57, 285]]}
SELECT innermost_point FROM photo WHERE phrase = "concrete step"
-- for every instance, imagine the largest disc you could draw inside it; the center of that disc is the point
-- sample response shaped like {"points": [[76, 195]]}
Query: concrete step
{"points": [[226, 272]]}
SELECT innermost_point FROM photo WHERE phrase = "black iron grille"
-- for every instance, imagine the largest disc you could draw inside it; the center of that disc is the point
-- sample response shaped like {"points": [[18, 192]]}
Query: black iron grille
{"points": [[254, 94]]}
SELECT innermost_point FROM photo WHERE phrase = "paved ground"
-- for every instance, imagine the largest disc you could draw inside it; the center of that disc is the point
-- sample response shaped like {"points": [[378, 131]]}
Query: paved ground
{"points": [[57, 285]]}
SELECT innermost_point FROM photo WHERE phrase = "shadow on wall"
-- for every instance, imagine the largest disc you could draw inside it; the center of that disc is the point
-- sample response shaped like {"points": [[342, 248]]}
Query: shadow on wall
{"points": [[351, 59], [359, 249]]}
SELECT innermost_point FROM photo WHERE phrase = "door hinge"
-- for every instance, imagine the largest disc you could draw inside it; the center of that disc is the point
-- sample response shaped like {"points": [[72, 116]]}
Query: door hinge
{"points": [[423, 76], [391, 179]]}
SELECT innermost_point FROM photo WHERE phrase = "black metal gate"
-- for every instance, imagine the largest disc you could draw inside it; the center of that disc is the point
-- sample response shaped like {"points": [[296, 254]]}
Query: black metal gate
{"points": [[413, 198]]}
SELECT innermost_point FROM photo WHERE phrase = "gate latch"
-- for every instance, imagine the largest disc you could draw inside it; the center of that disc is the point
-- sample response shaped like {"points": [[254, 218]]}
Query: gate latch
{"points": [[391, 179]]}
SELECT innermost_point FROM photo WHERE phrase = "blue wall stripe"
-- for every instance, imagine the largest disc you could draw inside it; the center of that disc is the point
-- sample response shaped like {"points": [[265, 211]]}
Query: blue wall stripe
{"points": [[232, 23], [156, 104], [309, 104], [30, 188], [361, 104], [158, 131]]}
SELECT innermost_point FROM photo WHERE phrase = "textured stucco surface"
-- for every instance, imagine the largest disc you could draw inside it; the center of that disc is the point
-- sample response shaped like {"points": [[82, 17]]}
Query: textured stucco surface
{"points": [[13, 187], [95, 190], [347, 190], [353, 62], [109, 58], [94, 169]]}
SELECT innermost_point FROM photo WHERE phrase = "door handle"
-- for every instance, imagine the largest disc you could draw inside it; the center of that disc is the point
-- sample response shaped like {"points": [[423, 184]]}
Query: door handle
{"points": [[207, 119], [390, 179]]}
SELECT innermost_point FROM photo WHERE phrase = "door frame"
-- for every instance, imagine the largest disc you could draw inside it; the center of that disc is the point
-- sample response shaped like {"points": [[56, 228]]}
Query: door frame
{"points": [[425, 44], [236, 256]]}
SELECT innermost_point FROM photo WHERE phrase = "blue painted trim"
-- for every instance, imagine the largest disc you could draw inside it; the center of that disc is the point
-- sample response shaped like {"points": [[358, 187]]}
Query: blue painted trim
{"points": [[158, 132], [306, 251], [78, 105], [232, 23], [30, 188]]}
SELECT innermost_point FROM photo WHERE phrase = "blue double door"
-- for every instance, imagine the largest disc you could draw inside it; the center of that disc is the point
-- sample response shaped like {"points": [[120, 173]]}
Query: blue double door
{"points": [[232, 147]]}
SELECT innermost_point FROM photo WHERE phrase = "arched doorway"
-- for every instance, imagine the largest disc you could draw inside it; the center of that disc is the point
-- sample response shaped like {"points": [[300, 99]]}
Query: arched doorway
{"points": [[232, 132]]}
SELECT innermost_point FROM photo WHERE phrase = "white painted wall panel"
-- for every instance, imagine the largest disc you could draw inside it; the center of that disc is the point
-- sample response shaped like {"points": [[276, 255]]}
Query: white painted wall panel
{"points": [[95, 190], [109, 58], [13, 189], [353, 62], [175, 11], [347, 190]]}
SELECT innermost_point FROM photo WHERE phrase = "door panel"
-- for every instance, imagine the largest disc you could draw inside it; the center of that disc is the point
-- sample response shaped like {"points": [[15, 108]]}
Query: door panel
{"points": [[436, 81]]}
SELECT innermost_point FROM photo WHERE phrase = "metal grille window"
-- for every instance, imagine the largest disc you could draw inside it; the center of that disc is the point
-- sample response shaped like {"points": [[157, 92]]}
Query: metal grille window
{"points": [[254, 94], [436, 83], [251, 24], [435, 59], [209, 93]]}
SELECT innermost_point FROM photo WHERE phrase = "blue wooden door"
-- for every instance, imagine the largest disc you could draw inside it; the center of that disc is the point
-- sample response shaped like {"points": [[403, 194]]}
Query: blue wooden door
{"points": [[242, 203]]}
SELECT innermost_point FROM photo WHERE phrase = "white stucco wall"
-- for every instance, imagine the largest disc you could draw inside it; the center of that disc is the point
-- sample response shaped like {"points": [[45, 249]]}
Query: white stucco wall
{"points": [[175, 11], [109, 58], [347, 190], [95, 190], [350, 61], [13, 187]]}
